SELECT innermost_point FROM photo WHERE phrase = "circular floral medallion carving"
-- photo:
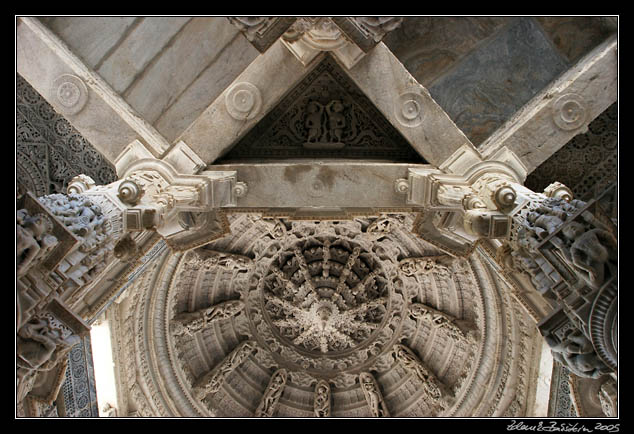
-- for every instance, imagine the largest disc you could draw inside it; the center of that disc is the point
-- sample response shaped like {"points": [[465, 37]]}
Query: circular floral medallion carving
{"points": [[569, 112], [409, 108], [71, 93], [243, 101]]}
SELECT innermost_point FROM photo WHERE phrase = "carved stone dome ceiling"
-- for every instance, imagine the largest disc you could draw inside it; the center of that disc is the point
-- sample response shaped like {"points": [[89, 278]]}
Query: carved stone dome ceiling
{"points": [[348, 303]]}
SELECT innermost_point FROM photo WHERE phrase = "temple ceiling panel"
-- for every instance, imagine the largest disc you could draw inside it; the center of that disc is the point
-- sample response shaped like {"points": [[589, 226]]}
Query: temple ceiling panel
{"points": [[331, 302]]}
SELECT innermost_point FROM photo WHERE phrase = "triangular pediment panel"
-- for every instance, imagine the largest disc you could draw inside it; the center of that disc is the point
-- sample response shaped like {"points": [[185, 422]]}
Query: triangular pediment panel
{"points": [[326, 115]]}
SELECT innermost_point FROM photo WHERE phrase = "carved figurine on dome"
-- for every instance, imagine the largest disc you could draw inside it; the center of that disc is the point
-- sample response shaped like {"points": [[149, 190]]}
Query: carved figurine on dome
{"points": [[33, 239], [191, 322], [226, 260], [272, 394], [211, 382], [457, 329], [321, 404], [432, 386], [425, 265], [373, 395]]}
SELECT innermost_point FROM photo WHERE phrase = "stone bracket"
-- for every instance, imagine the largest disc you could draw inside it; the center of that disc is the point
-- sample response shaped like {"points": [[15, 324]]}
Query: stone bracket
{"points": [[308, 37]]}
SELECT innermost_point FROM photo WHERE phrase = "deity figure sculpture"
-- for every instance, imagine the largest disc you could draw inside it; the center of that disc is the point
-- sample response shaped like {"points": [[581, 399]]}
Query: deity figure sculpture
{"points": [[212, 382], [40, 346], [441, 320], [33, 239], [589, 251], [424, 265], [80, 216], [191, 322], [524, 262], [575, 352], [336, 120], [37, 342], [314, 121]]}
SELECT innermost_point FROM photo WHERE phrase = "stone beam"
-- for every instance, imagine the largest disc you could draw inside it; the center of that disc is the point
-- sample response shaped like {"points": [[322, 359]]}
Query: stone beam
{"points": [[244, 103], [407, 105], [562, 110], [79, 94], [320, 184]]}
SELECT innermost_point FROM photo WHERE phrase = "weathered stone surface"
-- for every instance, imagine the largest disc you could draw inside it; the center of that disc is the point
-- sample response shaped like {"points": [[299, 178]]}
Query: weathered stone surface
{"points": [[490, 84], [216, 77], [40, 66], [319, 184], [90, 37], [587, 164], [575, 36], [544, 125], [105, 119], [148, 38], [394, 92], [197, 44], [215, 130], [429, 46]]}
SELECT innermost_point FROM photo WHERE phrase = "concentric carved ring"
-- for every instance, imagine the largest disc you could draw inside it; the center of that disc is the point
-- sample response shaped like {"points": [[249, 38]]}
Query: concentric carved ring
{"points": [[71, 94], [129, 192], [243, 101], [505, 196], [569, 112], [325, 298], [409, 108], [324, 304], [604, 326]]}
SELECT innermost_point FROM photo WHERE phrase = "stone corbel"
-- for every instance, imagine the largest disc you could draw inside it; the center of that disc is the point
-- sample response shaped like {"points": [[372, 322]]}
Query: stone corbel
{"points": [[308, 37], [366, 32], [157, 195], [262, 32]]}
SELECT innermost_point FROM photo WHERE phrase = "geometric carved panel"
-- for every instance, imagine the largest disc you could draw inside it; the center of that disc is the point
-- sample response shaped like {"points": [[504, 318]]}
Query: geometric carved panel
{"points": [[79, 390], [49, 151], [588, 163]]}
